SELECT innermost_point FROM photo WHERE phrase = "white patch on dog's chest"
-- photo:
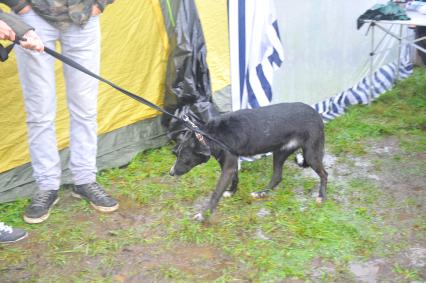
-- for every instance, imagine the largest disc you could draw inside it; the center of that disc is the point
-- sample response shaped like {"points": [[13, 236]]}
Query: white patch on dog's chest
{"points": [[292, 144]]}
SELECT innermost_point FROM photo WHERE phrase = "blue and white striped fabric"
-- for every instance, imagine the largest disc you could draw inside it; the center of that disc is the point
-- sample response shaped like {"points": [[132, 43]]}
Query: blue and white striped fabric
{"points": [[256, 51], [383, 80]]}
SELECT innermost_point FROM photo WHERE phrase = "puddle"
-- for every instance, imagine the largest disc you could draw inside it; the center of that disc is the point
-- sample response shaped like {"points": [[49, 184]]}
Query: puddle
{"points": [[260, 235], [417, 257], [365, 272], [263, 212]]}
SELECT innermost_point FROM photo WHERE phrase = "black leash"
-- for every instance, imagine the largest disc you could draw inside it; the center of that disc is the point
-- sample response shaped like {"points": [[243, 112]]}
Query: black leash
{"points": [[4, 52], [185, 120], [79, 67]]}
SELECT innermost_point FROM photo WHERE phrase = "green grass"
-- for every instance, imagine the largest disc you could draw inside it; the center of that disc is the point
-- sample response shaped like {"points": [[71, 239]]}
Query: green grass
{"points": [[156, 214], [400, 112], [407, 274]]}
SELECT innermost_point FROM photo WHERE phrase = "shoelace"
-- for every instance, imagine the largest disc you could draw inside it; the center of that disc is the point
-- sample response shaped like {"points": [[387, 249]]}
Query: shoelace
{"points": [[5, 228], [41, 199], [97, 191]]}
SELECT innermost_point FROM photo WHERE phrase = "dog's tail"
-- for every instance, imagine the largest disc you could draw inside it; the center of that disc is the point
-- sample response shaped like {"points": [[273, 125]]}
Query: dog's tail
{"points": [[300, 160]]}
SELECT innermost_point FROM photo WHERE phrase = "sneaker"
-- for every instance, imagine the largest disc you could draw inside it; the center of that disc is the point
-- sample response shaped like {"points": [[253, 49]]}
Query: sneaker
{"points": [[11, 235], [40, 206], [96, 195]]}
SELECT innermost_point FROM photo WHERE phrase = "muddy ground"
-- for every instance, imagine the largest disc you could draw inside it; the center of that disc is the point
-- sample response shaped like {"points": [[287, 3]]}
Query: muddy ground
{"points": [[400, 177], [402, 180]]}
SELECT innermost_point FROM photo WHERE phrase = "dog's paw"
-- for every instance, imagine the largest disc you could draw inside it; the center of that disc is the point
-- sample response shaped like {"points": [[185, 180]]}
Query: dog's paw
{"points": [[199, 217], [300, 160], [319, 200], [261, 194], [227, 194]]}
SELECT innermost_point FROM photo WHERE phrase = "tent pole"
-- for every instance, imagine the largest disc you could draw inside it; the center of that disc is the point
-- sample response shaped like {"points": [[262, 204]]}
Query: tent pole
{"points": [[369, 97], [399, 52]]}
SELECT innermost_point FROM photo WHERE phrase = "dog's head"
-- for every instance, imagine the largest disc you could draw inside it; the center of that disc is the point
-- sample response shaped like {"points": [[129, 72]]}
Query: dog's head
{"points": [[190, 152]]}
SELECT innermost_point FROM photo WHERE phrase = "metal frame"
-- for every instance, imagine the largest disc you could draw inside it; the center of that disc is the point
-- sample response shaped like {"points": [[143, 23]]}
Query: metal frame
{"points": [[398, 36]]}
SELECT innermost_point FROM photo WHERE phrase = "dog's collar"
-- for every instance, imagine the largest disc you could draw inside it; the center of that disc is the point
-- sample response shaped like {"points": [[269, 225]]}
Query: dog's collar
{"points": [[199, 136]]}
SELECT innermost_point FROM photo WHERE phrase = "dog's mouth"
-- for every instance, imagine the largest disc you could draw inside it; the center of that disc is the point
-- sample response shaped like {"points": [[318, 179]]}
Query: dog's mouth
{"points": [[176, 173], [172, 171]]}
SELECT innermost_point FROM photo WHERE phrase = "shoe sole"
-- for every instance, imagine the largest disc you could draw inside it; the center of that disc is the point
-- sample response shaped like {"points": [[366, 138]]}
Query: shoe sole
{"points": [[42, 218], [14, 241], [97, 207]]}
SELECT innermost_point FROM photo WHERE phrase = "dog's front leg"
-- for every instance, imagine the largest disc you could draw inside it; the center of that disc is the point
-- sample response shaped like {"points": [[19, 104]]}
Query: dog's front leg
{"points": [[230, 167]]}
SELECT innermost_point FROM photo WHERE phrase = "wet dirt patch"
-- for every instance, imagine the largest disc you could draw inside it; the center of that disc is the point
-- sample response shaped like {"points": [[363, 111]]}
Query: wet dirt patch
{"points": [[129, 215], [321, 269], [401, 182], [401, 187], [145, 262]]}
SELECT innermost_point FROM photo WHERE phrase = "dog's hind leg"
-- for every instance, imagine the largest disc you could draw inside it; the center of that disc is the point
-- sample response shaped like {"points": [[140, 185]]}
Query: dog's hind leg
{"points": [[279, 157], [234, 184], [314, 160]]}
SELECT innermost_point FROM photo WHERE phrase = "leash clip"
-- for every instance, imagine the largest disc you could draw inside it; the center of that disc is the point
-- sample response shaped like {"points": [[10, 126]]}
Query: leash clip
{"points": [[186, 119], [199, 136]]}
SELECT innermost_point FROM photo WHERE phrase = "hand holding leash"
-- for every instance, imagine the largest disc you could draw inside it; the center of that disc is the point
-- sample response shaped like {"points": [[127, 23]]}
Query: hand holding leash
{"points": [[6, 32], [32, 41]]}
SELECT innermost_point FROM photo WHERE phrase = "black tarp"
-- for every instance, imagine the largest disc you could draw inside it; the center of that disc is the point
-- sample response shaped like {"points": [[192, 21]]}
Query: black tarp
{"points": [[187, 79]]}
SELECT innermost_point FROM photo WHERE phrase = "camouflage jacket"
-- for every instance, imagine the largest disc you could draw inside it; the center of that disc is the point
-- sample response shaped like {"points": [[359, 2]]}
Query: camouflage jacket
{"points": [[60, 13]]}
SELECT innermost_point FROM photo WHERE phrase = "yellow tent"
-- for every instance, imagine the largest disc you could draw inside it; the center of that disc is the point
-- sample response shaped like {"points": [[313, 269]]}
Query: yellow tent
{"points": [[135, 50]]}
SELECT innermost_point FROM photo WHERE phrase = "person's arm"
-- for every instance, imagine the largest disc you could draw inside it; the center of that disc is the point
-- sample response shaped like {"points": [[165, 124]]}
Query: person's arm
{"points": [[13, 21], [6, 32], [15, 5], [12, 26], [101, 4]]}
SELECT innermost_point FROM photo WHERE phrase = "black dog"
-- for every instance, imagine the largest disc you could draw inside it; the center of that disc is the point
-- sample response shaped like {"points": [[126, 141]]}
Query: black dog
{"points": [[280, 129]]}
